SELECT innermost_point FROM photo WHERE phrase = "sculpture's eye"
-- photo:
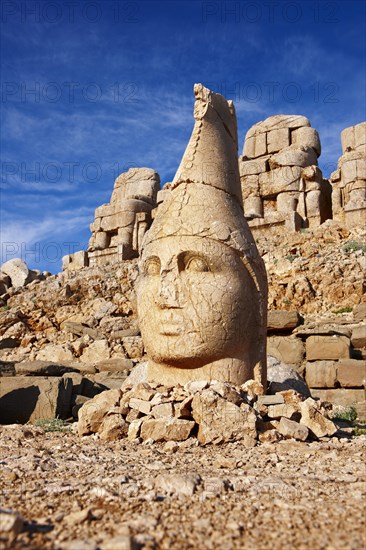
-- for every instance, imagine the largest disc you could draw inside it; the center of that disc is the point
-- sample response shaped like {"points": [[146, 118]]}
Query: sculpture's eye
{"points": [[197, 264], [152, 266]]}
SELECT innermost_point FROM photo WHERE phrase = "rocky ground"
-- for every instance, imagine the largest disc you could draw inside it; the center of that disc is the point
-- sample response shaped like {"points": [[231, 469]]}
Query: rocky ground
{"points": [[83, 493], [315, 271]]}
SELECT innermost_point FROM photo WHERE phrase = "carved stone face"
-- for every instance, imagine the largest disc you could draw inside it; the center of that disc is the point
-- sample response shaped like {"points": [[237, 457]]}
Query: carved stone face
{"points": [[194, 302]]}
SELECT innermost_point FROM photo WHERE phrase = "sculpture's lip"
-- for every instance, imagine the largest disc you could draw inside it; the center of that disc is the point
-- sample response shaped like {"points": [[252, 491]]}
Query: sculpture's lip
{"points": [[171, 328]]}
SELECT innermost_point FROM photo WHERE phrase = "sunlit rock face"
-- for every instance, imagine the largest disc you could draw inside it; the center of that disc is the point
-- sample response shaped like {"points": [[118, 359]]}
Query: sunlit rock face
{"points": [[202, 288]]}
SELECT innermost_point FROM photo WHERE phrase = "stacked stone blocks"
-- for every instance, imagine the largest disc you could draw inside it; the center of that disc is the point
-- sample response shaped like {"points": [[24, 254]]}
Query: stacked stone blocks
{"points": [[282, 185], [349, 180]]}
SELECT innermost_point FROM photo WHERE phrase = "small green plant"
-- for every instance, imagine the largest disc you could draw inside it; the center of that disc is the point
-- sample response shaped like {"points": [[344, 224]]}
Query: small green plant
{"points": [[353, 246], [359, 431], [52, 425], [5, 308], [292, 257], [346, 309], [345, 413]]}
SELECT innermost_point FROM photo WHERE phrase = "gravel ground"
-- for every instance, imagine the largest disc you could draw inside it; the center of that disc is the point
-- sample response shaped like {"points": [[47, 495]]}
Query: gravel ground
{"points": [[83, 493]]}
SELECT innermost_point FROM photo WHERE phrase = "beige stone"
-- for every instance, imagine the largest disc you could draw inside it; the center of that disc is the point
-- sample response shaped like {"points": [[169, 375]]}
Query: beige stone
{"points": [[345, 398], [133, 346], [220, 420], [277, 411], [92, 413], [77, 260], [358, 338], [351, 373], [293, 156], [140, 405], [119, 226], [176, 484], [278, 139], [255, 146], [134, 429], [55, 353], [327, 347], [113, 427], [202, 283], [282, 320], [96, 352], [312, 417], [166, 429], [279, 180], [164, 410], [306, 137], [359, 312], [290, 429], [143, 391], [30, 398], [321, 374], [17, 270], [289, 349], [254, 166], [276, 122]]}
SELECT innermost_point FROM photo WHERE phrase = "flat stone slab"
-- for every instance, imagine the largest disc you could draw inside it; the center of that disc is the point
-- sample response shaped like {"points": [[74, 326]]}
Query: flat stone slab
{"points": [[282, 320], [30, 398]]}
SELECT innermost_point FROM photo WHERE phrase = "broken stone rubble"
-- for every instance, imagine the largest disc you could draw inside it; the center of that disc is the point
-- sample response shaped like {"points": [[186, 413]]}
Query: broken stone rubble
{"points": [[214, 413]]}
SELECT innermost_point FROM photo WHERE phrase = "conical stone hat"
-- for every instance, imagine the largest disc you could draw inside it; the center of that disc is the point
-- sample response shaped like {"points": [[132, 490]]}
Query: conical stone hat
{"points": [[206, 199]]}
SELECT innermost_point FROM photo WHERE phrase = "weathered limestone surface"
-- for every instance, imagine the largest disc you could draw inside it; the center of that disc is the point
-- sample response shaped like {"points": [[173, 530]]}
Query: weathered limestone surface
{"points": [[349, 180], [202, 290], [327, 347], [281, 183]]}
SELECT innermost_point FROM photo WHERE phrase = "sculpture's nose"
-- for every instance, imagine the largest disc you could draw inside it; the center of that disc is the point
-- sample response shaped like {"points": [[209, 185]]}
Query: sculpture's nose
{"points": [[169, 293]]}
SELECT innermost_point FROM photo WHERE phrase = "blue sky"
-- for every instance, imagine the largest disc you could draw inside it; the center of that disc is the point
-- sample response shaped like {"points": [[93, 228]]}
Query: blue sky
{"points": [[90, 88]]}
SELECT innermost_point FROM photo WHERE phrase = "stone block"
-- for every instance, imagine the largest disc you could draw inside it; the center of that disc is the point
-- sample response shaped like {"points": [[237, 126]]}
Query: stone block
{"points": [[30, 398], [358, 338], [351, 373], [92, 413], [313, 419], [288, 349], [348, 139], [166, 429], [282, 320], [278, 139], [327, 347], [17, 270], [293, 156], [253, 166], [104, 210], [359, 312], [140, 405], [277, 122], [285, 178], [306, 137], [290, 429], [277, 411], [220, 420], [344, 398], [249, 186], [321, 374], [255, 146]]}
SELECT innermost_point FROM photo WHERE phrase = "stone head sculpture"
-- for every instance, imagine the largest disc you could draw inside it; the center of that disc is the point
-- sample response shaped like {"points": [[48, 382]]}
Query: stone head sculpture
{"points": [[202, 288]]}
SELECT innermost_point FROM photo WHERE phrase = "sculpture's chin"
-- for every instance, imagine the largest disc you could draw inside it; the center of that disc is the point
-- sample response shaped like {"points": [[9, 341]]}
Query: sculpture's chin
{"points": [[184, 361]]}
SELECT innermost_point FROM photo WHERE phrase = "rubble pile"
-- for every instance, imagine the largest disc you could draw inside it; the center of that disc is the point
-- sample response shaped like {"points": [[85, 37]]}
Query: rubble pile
{"points": [[213, 412]]}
